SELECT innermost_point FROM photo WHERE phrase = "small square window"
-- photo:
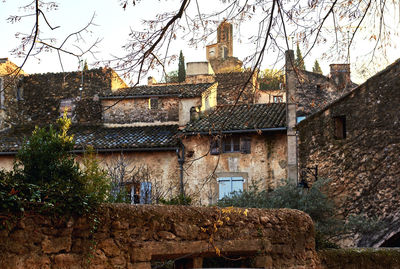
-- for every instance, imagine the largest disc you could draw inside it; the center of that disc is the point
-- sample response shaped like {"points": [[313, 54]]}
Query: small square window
{"points": [[68, 106], [231, 144], [339, 127], [278, 99], [153, 103]]}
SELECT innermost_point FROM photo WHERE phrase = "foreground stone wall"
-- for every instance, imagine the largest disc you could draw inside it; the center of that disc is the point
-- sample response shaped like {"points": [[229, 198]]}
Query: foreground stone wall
{"points": [[126, 236], [359, 258]]}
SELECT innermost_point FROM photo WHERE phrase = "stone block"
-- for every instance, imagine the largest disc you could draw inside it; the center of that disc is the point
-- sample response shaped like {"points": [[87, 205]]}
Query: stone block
{"points": [[67, 261], [109, 247], [56, 244]]}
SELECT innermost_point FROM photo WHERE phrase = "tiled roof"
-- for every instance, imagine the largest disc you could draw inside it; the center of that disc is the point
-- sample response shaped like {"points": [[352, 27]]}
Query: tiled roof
{"points": [[232, 79], [181, 90], [103, 138], [240, 117]]}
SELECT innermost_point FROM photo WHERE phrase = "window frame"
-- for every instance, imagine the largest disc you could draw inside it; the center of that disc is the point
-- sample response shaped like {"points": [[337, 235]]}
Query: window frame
{"points": [[339, 127], [278, 99], [153, 100], [230, 181], [218, 145]]}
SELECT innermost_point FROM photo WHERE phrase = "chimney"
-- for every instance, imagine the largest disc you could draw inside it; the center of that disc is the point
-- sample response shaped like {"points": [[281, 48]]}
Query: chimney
{"points": [[340, 74], [292, 174], [199, 72], [151, 81]]}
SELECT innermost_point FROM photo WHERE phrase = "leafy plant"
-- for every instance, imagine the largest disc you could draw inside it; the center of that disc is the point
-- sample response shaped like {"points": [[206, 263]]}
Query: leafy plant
{"points": [[313, 201], [47, 178]]}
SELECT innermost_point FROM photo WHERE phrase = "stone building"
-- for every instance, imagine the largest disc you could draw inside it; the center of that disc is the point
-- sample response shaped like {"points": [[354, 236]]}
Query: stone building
{"points": [[355, 141], [220, 54], [206, 137]]}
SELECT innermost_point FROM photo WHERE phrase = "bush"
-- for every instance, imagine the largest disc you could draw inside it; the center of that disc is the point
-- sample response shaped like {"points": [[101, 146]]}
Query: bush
{"points": [[313, 201], [47, 178]]}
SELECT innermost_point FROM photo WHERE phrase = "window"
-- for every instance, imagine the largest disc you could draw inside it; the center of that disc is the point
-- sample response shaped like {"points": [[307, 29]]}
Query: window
{"points": [[2, 97], [153, 103], [136, 192], [214, 146], [20, 94], [278, 99], [300, 118], [67, 105], [229, 144], [340, 127], [227, 185]]}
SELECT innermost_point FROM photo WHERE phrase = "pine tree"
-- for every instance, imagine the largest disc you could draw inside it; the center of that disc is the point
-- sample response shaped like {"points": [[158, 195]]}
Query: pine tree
{"points": [[299, 62], [316, 68], [181, 68], [85, 66]]}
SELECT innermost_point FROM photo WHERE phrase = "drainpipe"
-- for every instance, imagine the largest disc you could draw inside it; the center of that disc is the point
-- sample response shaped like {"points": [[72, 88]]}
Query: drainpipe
{"points": [[180, 152]]}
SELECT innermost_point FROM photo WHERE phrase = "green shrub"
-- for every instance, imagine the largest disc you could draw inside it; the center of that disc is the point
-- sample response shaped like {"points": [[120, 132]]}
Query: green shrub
{"points": [[313, 201], [47, 178]]}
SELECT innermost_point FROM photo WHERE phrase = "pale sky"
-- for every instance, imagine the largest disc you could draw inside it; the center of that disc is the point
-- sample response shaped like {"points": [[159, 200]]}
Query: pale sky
{"points": [[113, 24]]}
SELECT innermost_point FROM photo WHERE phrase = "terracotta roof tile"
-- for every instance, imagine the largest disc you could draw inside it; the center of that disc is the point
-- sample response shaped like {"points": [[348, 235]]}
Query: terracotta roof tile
{"points": [[240, 117], [103, 138], [181, 90]]}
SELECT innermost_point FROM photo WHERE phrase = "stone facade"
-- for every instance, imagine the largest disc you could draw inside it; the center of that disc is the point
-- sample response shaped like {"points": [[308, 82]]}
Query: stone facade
{"points": [[41, 96], [355, 143], [220, 54], [141, 110], [133, 236], [264, 166]]}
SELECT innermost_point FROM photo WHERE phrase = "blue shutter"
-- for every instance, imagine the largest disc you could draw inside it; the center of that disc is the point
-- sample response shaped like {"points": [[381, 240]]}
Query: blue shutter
{"points": [[224, 187], [227, 185], [237, 184], [145, 192]]}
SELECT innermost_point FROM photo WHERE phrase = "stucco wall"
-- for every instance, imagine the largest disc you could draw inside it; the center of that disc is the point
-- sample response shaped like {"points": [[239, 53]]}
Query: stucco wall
{"points": [[127, 236], [138, 110], [6, 162], [185, 104], [265, 166], [364, 167]]}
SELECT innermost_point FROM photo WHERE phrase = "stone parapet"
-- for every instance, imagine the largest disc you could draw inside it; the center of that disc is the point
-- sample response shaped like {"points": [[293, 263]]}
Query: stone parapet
{"points": [[130, 236]]}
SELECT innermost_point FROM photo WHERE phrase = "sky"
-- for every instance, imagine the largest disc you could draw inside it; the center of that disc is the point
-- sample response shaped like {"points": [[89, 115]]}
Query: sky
{"points": [[113, 25]]}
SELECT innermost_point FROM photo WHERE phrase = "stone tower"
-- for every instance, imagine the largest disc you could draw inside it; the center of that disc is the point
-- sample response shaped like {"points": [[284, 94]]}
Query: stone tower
{"points": [[220, 54]]}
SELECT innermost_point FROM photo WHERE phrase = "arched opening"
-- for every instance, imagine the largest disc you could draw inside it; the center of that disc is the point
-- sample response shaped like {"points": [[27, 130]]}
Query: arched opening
{"points": [[392, 242]]}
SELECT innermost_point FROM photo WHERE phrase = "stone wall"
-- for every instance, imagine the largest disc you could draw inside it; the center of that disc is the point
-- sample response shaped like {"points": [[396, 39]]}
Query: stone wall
{"points": [[134, 110], [126, 236], [359, 258], [364, 166], [314, 91], [265, 166], [41, 96]]}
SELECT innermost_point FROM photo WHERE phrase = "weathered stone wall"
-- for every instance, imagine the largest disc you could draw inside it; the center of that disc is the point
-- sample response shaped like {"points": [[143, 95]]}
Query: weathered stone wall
{"points": [[126, 236], [314, 91], [42, 93], [137, 110], [265, 166], [162, 167], [359, 258], [364, 167]]}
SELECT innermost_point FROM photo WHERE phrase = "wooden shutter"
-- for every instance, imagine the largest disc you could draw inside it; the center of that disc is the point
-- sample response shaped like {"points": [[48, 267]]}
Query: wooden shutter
{"points": [[214, 146], [245, 145], [145, 192]]}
